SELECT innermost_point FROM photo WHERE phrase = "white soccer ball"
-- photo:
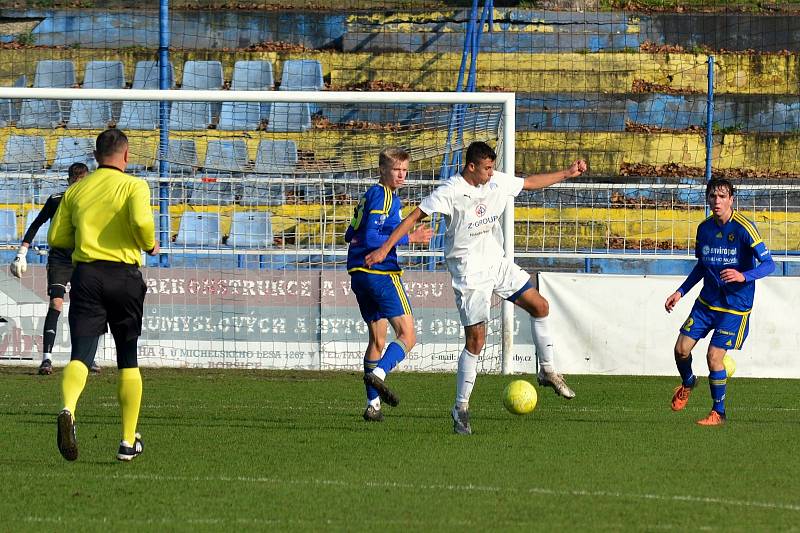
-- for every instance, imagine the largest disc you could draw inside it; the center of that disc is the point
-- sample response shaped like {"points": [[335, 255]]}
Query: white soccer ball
{"points": [[520, 397]]}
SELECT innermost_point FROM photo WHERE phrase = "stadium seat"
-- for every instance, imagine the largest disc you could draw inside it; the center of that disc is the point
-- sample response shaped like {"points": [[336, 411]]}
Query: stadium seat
{"points": [[189, 116], [182, 157], [210, 191], [48, 187], [197, 76], [48, 113], [97, 113], [24, 153], [302, 75], [16, 190], [40, 239], [276, 157], [247, 76], [239, 116], [226, 156], [251, 230], [144, 115], [9, 109], [272, 157], [199, 230], [253, 76], [8, 226], [260, 191], [71, 150], [202, 75], [289, 117]]}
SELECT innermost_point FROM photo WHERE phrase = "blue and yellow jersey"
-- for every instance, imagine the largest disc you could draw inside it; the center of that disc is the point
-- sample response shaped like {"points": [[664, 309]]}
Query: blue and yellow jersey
{"points": [[737, 245], [375, 217]]}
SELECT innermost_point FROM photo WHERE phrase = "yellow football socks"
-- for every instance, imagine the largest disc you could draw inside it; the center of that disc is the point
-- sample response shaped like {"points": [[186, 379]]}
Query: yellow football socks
{"points": [[129, 393], [72, 384]]}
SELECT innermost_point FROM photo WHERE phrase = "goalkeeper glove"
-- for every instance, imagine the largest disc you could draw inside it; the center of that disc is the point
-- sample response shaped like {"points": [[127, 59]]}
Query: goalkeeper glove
{"points": [[19, 265]]}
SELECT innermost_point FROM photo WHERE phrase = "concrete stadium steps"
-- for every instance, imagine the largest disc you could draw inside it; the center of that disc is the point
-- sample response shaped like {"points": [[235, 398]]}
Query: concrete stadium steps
{"points": [[520, 72], [513, 29], [537, 151]]}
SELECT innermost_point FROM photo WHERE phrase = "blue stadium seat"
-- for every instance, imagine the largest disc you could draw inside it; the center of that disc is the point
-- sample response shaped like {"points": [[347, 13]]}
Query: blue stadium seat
{"points": [[197, 76], [8, 226], [202, 75], [251, 230], [260, 191], [24, 153], [48, 113], [209, 191], [226, 156], [71, 150], [289, 117], [40, 239], [276, 157], [253, 76], [144, 115], [302, 75], [9, 109], [16, 190], [199, 230], [188, 116], [54, 73], [182, 157], [97, 113], [247, 76], [49, 187], [239, 116]]}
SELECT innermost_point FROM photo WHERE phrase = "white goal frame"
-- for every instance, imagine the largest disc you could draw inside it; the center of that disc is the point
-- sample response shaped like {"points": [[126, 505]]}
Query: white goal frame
{"points": [[506, 156]]}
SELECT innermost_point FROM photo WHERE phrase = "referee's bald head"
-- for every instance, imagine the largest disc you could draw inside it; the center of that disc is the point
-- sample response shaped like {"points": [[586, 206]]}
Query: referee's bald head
{"points": [[110, 144]]}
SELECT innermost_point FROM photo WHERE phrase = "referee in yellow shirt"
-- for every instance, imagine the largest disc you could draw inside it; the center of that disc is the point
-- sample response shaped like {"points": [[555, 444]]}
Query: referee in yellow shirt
{"points": [[106, 219]]}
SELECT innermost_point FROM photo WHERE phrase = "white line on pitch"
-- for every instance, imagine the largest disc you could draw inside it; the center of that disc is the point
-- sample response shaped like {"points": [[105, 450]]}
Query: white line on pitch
{"points": [[454, 488]]}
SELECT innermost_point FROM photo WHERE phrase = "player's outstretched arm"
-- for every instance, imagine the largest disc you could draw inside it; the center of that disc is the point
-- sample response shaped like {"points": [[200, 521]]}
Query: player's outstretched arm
{"points": [[672, 300], [540, 181], [379, 254]]}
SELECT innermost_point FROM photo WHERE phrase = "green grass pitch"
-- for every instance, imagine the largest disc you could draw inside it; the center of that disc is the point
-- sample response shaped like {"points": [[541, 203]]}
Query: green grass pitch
{"points": [[288, 451]]}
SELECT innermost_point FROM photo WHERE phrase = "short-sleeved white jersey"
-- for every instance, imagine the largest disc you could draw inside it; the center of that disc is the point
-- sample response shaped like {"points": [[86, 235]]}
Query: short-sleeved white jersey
{"points": [[473, 240]]}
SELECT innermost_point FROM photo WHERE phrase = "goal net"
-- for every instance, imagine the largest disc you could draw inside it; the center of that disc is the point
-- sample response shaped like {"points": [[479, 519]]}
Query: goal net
{"points": [[252, 192]]}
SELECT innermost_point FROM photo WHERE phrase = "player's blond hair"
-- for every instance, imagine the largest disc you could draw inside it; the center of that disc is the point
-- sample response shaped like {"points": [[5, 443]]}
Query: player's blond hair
{"points": [[390, 155]]}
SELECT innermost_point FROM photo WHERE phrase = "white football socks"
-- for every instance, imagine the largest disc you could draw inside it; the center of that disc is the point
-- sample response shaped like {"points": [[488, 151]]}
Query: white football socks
{"points": [[465, 378], [544, 344]]}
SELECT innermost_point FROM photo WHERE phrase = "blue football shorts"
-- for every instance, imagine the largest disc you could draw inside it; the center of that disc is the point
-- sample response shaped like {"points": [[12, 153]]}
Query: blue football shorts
{"points": [[379, 295], [730, 327]]}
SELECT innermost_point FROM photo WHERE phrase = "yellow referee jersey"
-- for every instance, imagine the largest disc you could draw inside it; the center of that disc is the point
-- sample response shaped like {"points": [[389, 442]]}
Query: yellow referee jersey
{"points": [[106, 216]]}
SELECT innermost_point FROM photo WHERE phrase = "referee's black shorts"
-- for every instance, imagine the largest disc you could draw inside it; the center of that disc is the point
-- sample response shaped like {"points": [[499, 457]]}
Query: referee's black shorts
{"points": [[104, 292]]}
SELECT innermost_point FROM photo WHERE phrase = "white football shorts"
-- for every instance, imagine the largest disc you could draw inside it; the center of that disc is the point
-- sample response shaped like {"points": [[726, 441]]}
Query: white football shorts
{"points": [[474, 291]]}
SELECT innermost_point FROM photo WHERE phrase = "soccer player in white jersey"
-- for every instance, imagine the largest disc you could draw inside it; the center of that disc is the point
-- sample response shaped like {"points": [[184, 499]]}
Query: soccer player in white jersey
{"points": [[472, 203]]}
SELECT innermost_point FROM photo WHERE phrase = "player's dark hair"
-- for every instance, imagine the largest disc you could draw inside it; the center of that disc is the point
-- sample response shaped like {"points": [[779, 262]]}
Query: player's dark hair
{"points": [[390, 155], [76, 171], [478, 151], [110, 143], [719, 183]]}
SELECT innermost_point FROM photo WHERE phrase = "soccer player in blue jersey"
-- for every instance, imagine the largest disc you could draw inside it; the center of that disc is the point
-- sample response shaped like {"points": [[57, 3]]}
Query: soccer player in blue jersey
{"points": [[379, 289], [730, 258]]}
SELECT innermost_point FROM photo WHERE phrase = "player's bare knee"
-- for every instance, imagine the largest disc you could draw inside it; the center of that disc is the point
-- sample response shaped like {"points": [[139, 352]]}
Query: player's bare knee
{"points": [[681, 353]]}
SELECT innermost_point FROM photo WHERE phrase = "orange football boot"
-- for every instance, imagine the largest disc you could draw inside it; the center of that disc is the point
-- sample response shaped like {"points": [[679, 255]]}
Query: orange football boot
{"points": [[713, 419], [681, 397]]}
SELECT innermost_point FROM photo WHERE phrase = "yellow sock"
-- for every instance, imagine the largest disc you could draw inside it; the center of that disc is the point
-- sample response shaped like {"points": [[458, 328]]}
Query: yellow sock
{"points": [[129, 392], [72, 384]]}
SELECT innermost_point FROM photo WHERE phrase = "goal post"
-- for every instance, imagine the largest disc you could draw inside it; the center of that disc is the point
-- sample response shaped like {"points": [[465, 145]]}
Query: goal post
{"points": [[277, 296]]}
